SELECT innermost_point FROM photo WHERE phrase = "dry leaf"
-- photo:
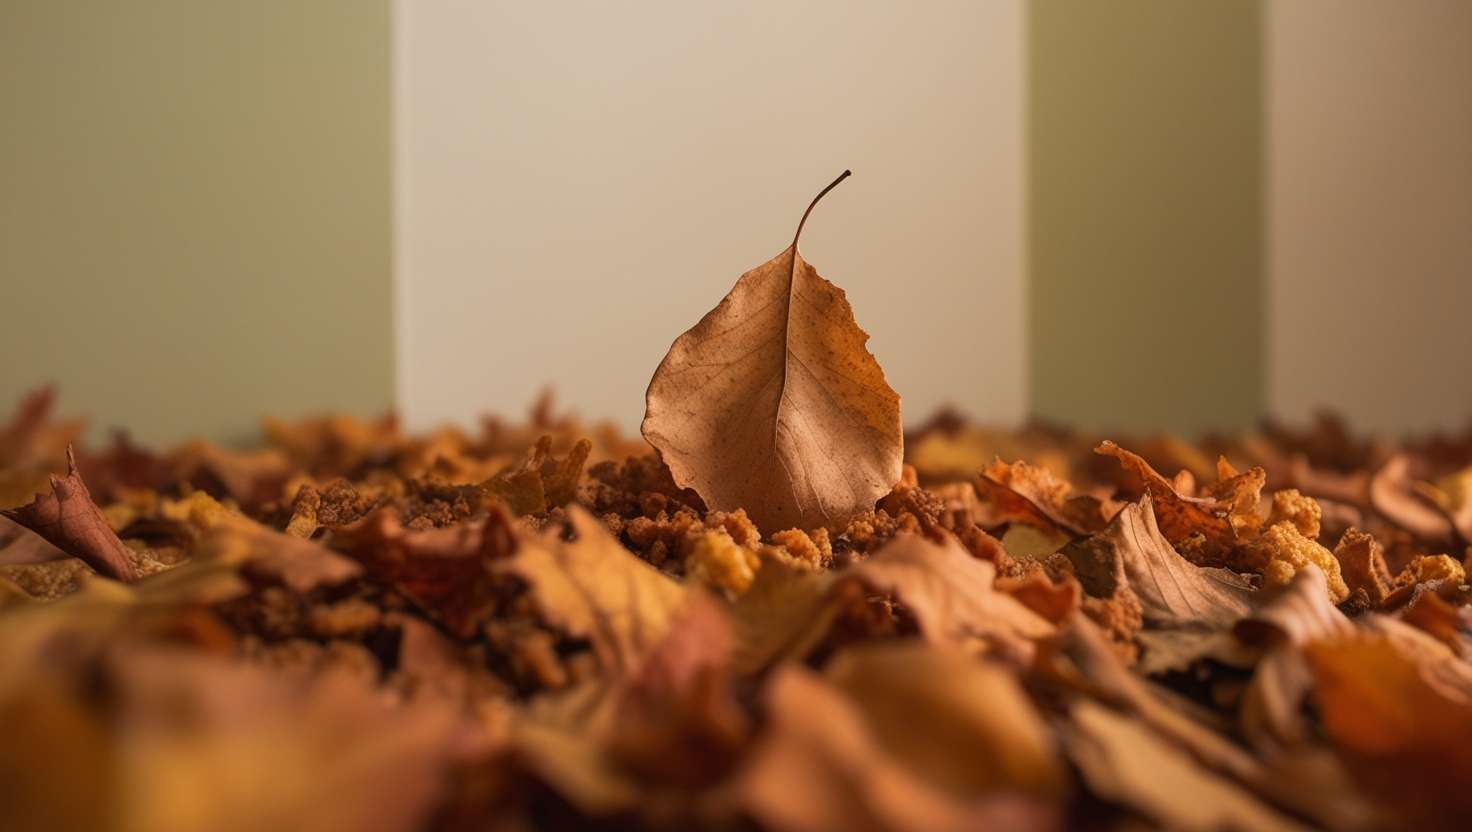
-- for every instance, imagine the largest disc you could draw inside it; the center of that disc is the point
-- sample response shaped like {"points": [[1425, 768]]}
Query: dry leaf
{"points": [[1201, 526], [1124, 762], [446, 571], [773, 404], [1047, 495], [594, 588], [541, 482], [783, 615], [19, 545], [1173, 592], [69, 520], [819, 766], [1393, 494], [950, 593], [1362, 564], [1408, 743], [1287, 619], [30, 437], [975, 733], [208, 744]]}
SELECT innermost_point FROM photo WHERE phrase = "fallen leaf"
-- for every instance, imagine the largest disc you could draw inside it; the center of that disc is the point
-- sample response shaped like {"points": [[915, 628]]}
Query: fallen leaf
{"points": [[1286, 620], [1173, 592], [773, 404], [951, 595], [1409, 745], [69, 520], [250, 478], [1362, 563], [819, 766], [594, 588], [1123, 762], [540, 482], [1448, 624], [210, 744], [782, 615], [976, 733], [447, 571], [1079, 514], [19, 545], [1393, 495], [1202, 526], [31, 437]]}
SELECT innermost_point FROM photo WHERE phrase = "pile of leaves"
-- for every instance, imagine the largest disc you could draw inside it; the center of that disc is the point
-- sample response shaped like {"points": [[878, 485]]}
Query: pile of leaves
{"points": [[779, 613]]}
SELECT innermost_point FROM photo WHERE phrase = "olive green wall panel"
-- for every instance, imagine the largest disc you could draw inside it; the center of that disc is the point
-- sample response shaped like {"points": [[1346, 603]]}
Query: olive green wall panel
{"points": [[1144, 213], [195, 210]]}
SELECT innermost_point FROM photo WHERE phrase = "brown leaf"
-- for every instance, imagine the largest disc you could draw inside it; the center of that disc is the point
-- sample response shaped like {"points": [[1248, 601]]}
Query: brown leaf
{"points": [[250, 478], [541, 482], [1409, 744], [820, 766], [783, 614], [773, 404], [951, 595], [1285, 621], [1448, 624], [19, 545], [209, 744], [1393, 494], [594, 588], [30, 437], [1053, 497], [678, 721], [445, 571], [68, 519], [1362, 563], [1124, 762], [1204, 528], [976, 732], [1174, 592]]}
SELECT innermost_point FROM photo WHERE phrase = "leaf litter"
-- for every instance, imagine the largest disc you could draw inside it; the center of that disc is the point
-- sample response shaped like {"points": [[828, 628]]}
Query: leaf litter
{"points": [[779, 613]]}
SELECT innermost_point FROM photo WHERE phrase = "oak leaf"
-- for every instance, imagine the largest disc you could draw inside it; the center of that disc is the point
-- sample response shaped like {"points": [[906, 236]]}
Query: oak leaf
{"points": [[68, 519], [772, 403]]}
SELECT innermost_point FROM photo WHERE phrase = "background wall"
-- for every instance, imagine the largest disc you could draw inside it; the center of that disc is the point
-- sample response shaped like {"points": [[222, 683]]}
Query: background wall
{"points": [[1145, 213], [579, 182], [194, 210], [1231, 208], [1371, 205]]}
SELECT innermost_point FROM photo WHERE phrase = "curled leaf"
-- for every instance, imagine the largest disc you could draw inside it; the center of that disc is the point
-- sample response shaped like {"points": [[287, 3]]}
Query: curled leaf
{"points": [[1174, 592], [773, 404], [69, 520], [1204, 529]]}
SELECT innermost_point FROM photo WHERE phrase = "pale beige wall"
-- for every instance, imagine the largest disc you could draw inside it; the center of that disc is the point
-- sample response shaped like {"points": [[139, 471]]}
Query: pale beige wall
{"points": [[1370, 202], [577, 183], [194, 210]]}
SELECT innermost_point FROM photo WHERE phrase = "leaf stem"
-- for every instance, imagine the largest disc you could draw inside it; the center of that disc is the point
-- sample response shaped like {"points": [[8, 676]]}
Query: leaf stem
{"points": [[831, 185]]}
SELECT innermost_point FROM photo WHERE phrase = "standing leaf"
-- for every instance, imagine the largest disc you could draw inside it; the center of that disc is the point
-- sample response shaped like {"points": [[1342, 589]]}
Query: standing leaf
{"points": [[773, 404]]}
